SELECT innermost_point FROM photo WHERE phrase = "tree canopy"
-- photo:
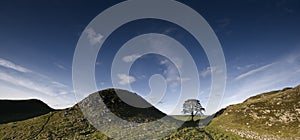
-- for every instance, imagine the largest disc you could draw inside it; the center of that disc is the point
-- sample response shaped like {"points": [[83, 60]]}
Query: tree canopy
{"points": [[193, 107]]}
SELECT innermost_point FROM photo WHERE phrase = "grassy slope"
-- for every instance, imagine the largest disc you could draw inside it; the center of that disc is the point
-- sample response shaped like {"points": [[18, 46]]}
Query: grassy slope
{"points": [[71, 124], [272, 115], [188, 133], [55, 125]]}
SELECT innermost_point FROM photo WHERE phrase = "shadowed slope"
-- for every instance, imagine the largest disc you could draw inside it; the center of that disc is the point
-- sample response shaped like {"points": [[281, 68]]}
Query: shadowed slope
{"points": [[17, 110]]}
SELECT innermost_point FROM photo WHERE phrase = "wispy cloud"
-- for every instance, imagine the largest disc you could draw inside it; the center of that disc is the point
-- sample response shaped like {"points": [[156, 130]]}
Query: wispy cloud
{"points": [[130, 58], [18, 82], [11, 65], [171, 73], [271, 80], [206, 71], [254, 71], [284, 72], [169, 30], [51, 88], [245, 67], [163, 61], [177, 79], [209, 70], [60, 66], [26, 78], [125, 79], [94, 38]]}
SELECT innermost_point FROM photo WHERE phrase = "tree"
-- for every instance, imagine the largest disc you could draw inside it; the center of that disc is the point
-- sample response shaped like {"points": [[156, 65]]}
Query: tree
{"points": [[193, 107]]}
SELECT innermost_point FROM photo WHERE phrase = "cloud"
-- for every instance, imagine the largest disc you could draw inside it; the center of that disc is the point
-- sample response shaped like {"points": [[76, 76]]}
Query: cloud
{"points": [[130, 58], [12, 92], [268, 81], [60, 66], [293, 59], [26, 78], [177, 62], [58, 84], [177, 79], [249, 73], [244, 67], [284, 72], [164, 61], [11, 65], [209, 71], [18, 82], [45, 87], [206, 72], [125, 79], [94, 38], [169, 30], [171, 72]]}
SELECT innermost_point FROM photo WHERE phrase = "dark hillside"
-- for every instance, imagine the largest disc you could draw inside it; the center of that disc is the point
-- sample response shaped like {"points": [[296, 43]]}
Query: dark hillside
{"points": [[17, 110]]}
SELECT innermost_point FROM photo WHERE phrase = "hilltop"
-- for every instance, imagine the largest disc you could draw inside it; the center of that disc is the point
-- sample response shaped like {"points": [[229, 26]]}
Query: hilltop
{"points": [[113, 103], [17, 110]]}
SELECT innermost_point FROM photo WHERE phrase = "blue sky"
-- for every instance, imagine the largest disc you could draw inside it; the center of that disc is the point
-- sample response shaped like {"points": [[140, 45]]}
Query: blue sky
{"points": [[260, 40]]}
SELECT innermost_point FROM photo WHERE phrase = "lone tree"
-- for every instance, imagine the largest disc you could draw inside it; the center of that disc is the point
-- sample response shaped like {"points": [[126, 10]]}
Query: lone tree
{"points": [[193, 107]]}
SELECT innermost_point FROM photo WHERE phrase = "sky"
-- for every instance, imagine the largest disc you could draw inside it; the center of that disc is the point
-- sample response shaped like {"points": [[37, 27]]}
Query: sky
{"points": [[260, 41]]}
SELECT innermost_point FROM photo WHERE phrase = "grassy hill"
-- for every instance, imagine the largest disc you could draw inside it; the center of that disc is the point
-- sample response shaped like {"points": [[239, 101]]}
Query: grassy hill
{"points": [[17, 110], [72, 124], [112, 102], [135, 123], [272, 115]]}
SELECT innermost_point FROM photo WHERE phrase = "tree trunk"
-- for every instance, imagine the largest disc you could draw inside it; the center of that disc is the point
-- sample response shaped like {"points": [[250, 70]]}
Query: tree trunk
{"points": [[192, 116]]}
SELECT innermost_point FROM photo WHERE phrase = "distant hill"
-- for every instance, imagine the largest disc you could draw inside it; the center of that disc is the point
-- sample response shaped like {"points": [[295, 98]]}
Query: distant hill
{"points": [[271, 115], [17, 110]]}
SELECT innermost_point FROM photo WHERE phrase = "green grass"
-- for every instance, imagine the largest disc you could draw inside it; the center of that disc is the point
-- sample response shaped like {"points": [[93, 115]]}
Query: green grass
{"points": [[54, 125], [188, 133], [236, 122], [217, 132], [263, 116], [186, 117]]}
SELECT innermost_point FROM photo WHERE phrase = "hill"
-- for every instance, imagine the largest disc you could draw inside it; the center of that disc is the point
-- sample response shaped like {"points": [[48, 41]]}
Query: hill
{"points": [[17, 110], [118, 107], [72, 124], [271, 115]]}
